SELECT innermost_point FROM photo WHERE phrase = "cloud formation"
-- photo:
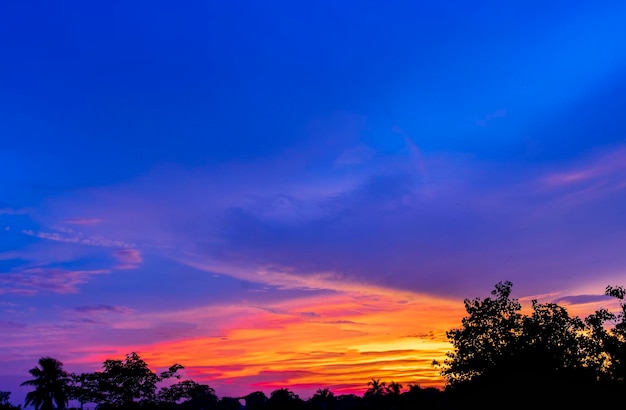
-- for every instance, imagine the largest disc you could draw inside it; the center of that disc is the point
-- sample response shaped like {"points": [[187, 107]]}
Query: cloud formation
{"points": [[32, 281], [83, 221], [102, 309], [78, 238], [129, 258], [582, 299]]}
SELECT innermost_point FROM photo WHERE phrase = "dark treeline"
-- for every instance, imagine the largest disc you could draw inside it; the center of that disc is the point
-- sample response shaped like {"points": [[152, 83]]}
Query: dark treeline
{"points": [[500, 358]]}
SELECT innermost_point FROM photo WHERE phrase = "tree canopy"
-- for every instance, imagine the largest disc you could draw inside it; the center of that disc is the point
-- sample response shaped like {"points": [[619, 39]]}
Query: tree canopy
{"points": [[548, 352]]}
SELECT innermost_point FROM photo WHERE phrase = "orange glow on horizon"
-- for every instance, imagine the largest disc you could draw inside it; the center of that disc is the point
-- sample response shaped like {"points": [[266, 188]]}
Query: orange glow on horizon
{"points": [[340, 341]]}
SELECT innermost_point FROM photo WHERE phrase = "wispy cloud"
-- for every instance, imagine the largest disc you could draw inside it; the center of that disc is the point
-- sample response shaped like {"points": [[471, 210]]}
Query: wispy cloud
{"points": [[31, 281], [490, 117], [78, 238], [355, 156], [382, 224], [582, 299], [82, 221], [5, 324], [12, 211], [608, 169], [103, 309]]}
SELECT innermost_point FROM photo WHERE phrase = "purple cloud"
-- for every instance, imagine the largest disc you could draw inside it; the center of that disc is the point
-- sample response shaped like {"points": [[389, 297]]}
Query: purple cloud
{"points": [[31, 281], [103, 309], [83, 221], [582, 299], [69, 236], [453, 224], [129, 258]]}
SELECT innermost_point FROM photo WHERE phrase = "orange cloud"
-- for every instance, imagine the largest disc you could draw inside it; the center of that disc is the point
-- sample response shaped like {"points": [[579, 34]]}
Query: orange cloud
{"points": [[341, 342]]}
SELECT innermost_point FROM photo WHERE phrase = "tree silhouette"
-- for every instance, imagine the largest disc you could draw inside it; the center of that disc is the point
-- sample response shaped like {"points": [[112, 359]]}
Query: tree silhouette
{"points": [[195, 395], [349, 402], [323, 399], [486, 336], [229, 403], [394, 388], [284, 399], [50, 381], [126, 383], [376, 388], [617, 347], [5, 404], [255, 400], [500, 353], [84, 388]]}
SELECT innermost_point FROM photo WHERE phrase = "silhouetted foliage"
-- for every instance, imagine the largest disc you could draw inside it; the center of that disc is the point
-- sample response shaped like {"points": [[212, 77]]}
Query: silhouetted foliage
{"points": [[84, 388], [376, 388], [323, 399], [50, 382], [393, 388], [349, 402], [255, 400], [228, 403], [187, 389], [5, 403], [503, 354], [127, 383], [284, 399], [130, 384]]}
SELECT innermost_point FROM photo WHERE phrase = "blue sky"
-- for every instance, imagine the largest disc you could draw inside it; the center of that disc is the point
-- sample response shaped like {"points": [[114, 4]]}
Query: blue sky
{"points": [[160, 158]]}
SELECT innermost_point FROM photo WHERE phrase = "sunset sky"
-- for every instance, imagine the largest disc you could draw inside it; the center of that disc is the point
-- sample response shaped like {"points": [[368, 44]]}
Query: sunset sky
{"points": [[300, 194]]}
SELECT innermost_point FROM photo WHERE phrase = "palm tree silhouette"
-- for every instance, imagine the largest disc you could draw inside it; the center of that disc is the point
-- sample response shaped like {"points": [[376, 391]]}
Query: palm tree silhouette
{"points": [[377, 388], [394, 388], [50, 382]]}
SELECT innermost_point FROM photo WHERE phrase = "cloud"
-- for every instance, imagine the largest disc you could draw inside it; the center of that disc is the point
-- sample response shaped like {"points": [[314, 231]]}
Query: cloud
{"points": [[582, 299], [78, 238], [277, 311], [297, 351], [82, 221], [31, 281], [355, 156], [274, 311], [5, 324], [457, 229], [102, 309], [12, 211], [607, 168], [87, 321], [489, 117], [129, 258]]}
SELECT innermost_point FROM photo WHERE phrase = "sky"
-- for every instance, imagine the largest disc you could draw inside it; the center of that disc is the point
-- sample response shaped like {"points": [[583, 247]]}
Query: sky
{"points": [[300, 194]]}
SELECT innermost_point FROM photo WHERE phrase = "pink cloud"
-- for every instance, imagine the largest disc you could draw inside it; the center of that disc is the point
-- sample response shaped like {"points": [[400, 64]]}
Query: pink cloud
{"points": [[601, 168], [83, 221], [128, 258]]}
